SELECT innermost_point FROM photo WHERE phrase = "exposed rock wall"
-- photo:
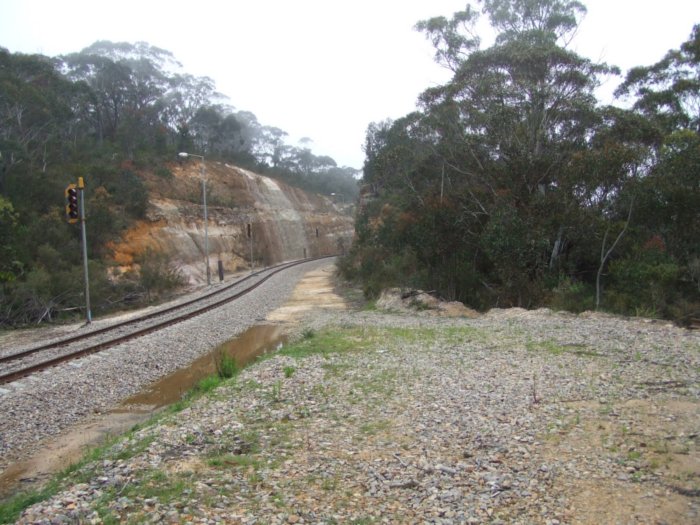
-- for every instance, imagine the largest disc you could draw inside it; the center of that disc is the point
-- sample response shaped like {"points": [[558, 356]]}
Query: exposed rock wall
{"points": [[286, 223]]}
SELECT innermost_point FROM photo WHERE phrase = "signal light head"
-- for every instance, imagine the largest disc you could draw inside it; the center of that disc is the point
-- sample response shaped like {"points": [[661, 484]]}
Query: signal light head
{"points": [[72, 207]]}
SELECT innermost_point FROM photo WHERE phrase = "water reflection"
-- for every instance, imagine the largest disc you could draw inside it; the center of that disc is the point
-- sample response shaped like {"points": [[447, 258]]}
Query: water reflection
{"points": [[245, 348]]}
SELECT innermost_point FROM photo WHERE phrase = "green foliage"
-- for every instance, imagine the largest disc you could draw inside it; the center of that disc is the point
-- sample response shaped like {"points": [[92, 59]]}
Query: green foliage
{"points": [[157, 275], [647, 282], [325, 342], [226, 366], [11, 509], [207, 384], [573, 296], [10, 267], [108, 114], [504, 187], [163, 172]]}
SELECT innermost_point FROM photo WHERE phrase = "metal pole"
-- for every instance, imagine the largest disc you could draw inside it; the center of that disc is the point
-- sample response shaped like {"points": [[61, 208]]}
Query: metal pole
{"points": [[81, 188], [206, 229]]}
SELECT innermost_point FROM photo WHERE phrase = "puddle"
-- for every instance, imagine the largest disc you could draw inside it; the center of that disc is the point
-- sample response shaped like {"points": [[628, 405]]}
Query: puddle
{"points": [[255, 341], [69, 448]]}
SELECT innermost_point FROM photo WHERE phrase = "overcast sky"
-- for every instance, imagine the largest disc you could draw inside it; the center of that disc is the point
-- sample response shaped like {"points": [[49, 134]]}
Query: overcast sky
{"points": [[322, 69]]}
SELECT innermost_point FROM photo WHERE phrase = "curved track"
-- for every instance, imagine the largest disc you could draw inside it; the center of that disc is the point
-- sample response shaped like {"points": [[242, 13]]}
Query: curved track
{"points": [[20, 364]]}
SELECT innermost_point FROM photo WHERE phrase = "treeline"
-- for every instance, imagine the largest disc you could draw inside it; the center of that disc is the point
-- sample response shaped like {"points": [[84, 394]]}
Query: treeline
{"points": [[107, 113], [513, 185]]}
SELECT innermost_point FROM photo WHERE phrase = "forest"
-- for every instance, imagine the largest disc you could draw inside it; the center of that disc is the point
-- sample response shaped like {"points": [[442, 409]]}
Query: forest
{"points": [[513, 185], [109, 113]]}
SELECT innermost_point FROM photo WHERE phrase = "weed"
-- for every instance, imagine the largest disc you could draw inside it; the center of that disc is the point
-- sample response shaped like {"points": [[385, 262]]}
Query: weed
{"points": [[235, 460], [308, 333], [289, 371], [634, 455], [372, 428], [207, 384], [226, 366], [13, 507], [323, 343], [370, 306], [276, 392], [535, 396], [335, 369], [329, 484], [134, 449], [605, 409]]}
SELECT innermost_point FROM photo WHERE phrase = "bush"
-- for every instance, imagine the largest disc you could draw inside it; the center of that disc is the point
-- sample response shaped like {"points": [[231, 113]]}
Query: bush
{"points": [[646, 284], [157, 275], [572, 296]]}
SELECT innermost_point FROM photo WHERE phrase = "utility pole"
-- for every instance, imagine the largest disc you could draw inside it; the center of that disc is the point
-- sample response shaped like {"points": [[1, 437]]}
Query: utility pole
{"points": [[83, 233], [202, 172], [250, 239]]}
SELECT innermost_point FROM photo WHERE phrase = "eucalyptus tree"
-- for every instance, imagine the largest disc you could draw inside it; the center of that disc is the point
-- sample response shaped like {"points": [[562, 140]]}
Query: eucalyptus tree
{"points": [[508, 125], [669, 91], [270, 146], [667, 95], [34, 110], [489, 157]]}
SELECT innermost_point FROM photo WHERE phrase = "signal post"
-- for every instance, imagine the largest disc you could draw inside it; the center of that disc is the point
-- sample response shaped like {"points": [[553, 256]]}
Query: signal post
{"points": [[75, 211]]}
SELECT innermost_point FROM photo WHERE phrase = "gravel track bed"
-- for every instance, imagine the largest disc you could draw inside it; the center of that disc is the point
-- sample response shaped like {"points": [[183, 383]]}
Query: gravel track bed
{"points": [[58, 333], [44, 404], [514, 417]]}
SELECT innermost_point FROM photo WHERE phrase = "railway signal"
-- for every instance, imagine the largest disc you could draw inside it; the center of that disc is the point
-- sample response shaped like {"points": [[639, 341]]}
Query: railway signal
{"points": [[75, 212], [72, 207]]}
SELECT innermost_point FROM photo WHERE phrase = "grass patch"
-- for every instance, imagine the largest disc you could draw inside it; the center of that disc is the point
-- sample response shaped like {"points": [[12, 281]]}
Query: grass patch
{"points": [[354, 339], [547, 346], [370, 306], [325, 343], [11, 508], [130, 450], [207, 384], [152, 484], [372, 428], [226, 366], [80, 472], [335, 369]]}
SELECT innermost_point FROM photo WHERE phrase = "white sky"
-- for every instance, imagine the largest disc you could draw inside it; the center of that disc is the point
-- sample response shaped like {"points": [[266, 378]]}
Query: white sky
{"points": [[319, 68]]}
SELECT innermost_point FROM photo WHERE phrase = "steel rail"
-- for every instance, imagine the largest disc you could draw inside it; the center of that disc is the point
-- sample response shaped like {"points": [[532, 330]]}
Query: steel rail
{"points": [[17, 374], [79, 337]]}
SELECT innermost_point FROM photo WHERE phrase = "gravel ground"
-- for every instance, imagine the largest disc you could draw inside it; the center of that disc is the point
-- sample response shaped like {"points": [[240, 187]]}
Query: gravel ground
{"points": [[514, 417], [45, 404]]}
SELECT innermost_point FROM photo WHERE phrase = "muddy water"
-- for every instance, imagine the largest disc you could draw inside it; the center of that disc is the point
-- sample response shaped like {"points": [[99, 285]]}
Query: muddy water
{"points": [[254, 342], [69, 448]]}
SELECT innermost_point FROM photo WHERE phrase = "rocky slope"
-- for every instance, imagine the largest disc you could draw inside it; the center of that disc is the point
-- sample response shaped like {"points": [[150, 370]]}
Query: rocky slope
{"points": [[285, 222]]}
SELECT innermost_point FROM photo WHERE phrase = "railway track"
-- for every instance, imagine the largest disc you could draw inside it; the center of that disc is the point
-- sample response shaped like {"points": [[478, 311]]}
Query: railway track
{"points": [[28, 361]]}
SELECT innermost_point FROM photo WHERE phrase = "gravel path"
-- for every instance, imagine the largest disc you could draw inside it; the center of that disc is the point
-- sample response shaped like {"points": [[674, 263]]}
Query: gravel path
{"points": [[45, 404], [514, 417]]}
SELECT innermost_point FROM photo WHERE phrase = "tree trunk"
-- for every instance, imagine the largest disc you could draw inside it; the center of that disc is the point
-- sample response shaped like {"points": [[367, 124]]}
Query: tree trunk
{"points": [[605, 255]]}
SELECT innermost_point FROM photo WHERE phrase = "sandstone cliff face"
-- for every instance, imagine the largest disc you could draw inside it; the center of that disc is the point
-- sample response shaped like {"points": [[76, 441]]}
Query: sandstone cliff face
{"points": [[285, 223]]}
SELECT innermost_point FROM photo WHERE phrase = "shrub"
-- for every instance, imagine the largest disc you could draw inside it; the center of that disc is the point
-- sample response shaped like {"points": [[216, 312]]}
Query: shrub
{"points": [[572, 296]]}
